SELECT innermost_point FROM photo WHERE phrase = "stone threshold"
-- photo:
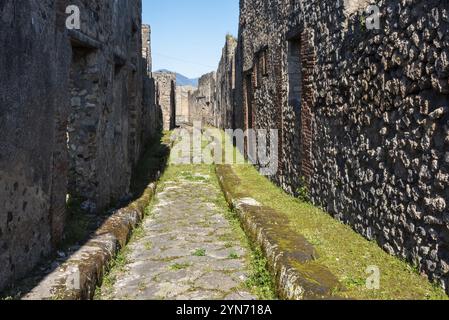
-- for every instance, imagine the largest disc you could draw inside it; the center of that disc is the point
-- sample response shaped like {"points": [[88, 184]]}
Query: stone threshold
{"points": [[291, 258]]}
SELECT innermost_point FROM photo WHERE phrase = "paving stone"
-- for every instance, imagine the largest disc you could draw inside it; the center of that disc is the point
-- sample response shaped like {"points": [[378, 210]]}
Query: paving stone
{"points": [[239, 296], [217, 281], [181, 254]]}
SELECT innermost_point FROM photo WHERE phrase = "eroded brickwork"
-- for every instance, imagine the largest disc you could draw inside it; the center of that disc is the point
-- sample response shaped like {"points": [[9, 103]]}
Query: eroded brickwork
{"points": [[363, 114], [166, 97], [72, 115]]}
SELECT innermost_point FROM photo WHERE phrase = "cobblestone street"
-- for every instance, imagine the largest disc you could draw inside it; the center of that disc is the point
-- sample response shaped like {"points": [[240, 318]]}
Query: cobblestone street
{"points": [[186, 248]]}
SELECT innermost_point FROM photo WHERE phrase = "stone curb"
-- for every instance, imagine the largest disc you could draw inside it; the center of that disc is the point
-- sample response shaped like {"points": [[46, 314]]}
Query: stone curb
{"points": [[79, 276], [291, 258]]}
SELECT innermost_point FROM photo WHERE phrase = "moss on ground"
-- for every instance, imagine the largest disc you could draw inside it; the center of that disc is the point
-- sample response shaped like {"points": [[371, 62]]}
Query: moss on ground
{"points": [[346, 253]]}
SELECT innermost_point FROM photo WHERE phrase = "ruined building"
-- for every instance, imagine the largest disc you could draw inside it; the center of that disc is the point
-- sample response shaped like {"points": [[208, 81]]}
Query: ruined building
{"points": [[362, 113], [152, 111], [202, 100], [225, 86], [73, 117], [213, 102], [166, 97], [182, 103]]}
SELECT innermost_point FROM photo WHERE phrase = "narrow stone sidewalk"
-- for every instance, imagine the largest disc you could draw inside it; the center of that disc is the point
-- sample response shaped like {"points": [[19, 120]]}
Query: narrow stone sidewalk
{"points": [[186, 249]]}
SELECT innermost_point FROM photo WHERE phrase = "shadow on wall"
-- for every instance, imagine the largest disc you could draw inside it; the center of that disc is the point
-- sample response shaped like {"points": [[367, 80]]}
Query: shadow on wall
{"points": [[81, 227]]}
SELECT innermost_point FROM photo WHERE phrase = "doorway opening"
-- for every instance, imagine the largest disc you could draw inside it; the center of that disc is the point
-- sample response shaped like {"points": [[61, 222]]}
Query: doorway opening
{"points": [[300, 65], [82, 125], [249, 100]]}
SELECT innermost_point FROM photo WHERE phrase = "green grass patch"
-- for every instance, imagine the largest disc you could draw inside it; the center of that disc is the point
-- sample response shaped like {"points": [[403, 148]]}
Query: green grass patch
{"points": [[233, 256], [260, 278], [180, 266], [148, 246], [193, 177], [199, 253], [117, 268], [343, 251]]}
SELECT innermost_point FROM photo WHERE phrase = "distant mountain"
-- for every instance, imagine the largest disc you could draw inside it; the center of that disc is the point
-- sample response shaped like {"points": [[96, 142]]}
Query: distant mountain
{"points": [[182, 80]]}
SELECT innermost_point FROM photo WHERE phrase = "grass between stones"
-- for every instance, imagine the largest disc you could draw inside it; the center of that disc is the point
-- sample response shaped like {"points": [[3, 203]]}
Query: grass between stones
{"points": [[145, 171], [200, 253], [259, 281], [346, 253], [180, 266], [117, 267]]}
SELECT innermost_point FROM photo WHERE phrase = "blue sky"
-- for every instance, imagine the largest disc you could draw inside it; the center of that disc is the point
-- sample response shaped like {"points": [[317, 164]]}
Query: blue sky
{"points": [[188, 36]]}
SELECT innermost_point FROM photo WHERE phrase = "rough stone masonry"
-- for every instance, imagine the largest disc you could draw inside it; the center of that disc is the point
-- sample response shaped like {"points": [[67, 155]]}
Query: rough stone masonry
{"points": [[202, 100], [166, 97], [363, 115], [73, 117]]}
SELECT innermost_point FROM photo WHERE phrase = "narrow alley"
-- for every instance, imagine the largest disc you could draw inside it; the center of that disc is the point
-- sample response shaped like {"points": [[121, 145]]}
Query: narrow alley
{"points": [[189, 247], [252, 150]]}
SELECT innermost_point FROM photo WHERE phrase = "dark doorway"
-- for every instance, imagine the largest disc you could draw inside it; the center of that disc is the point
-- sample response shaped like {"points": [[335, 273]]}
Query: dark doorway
{"points": [[300, 65], [249, 100], [82, 123]]}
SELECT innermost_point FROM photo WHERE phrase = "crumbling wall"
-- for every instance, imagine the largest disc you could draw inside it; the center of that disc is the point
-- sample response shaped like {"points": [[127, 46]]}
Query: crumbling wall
{"points": [[225, 85], [202, 100], [105, 121], [362, 114], [182, 103], [152, 115], [146, 49], [213, 101], [166, 97], [71, 117]]}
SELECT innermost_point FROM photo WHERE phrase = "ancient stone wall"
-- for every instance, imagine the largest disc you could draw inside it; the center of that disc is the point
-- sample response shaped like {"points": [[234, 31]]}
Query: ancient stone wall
{"points": [[151, 113], [166, 97], [363, 114], [71, 116], [202, 101], [182, 103], [225, 85], [213, 101], [146, 48]]}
